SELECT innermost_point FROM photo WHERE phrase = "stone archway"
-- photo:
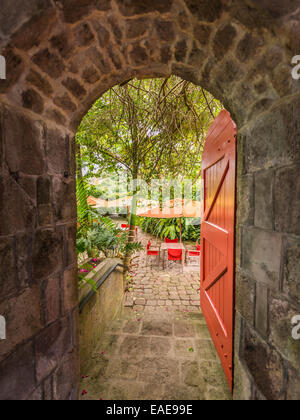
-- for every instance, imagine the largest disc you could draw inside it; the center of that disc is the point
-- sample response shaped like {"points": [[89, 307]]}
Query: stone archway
{"points": [[61, 56]]}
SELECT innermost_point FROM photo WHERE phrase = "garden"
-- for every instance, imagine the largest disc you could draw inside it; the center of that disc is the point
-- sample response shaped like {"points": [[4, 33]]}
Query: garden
{"points": [[139, 147]]}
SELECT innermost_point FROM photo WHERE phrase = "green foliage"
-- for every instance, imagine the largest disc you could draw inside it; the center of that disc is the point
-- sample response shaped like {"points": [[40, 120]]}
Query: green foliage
{"points": [[170, 228], [106, 237], [147, 129]]}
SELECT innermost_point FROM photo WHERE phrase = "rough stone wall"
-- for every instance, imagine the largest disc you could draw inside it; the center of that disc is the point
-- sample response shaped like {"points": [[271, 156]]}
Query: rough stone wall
{"points": [[61, 56], [99, 313]]}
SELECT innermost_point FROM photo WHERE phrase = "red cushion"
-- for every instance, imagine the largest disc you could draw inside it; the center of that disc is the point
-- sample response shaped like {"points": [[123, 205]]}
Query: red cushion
{"points": [[171, 241], [198, 247], [194, 253], [152, 252], [174, 255]]}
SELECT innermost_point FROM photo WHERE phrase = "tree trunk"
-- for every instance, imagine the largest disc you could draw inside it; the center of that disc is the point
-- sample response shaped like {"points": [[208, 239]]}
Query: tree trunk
{"points": [[132, 224]]}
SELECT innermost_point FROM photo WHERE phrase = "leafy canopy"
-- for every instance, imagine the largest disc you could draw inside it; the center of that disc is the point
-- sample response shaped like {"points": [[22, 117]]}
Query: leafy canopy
{"points": [[149, 129]]}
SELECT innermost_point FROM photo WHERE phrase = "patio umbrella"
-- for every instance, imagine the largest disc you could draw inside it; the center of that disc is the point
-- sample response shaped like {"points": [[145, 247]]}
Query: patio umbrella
{"points": [[97, 202], [120, 202], [174, 209]]}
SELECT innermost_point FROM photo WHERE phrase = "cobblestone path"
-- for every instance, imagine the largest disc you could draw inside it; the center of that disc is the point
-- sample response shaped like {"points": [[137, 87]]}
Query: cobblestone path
{"points": [[155, 288]]}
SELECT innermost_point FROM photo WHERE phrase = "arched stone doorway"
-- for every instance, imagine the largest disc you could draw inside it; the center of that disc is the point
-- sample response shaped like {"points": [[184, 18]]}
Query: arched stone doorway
{"points": [[61, 56]]}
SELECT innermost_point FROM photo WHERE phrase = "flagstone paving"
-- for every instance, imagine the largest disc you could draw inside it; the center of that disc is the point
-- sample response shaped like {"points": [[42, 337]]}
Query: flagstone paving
{"points": [[160, 347], [155, 288], [156, 356]]}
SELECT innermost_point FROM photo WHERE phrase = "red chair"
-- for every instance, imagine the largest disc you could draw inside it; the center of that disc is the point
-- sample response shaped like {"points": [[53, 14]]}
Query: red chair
{"points": [[152, 252], [195, 253], [125, 226], [173, 255]]}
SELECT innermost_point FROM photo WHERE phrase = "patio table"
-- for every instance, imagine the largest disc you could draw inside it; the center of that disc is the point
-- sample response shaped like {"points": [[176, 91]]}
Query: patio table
{"points": [[172, 246]]}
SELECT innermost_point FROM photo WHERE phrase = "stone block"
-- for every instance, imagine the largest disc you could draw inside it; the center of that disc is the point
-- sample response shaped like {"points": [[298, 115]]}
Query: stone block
{"points": [[137, 27], [17, 379], [43, 190], [47, 253], [90, 75], [23, 144], [278, 126], [146, 6], [287, 200], [224, 40], [32, 100], [63, 43], [139, 55], [245, 296], [161, 370], [261, 255], [242, 381], [44, 201], [181, 50], [13, 16], [49, 63], [248, 47], [163, 328], [58, 152], [291, 269], [160, 346], [50, 346], [70, 289], [245, 208], [66, 379], [8, 281], [196, 56], [70, 245], [40, 82], [95, 57], [202, 34], [64, 192], [23, 318], [263, 202], [264, 364], [28, 184], [45, 215], [183, 329], [37, 395], [205, 10], [84, 35], [77, 90], [64, 102], [281, 314], [51, 290], [19, 216], [23, 259], [134, 347], [262, 309], [165, 29], [293, 385]]}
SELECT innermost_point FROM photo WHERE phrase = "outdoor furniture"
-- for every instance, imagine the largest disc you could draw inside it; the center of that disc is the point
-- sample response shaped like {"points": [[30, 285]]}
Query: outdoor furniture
{"points": [[152, 252], [194, 254], [173, 247], [173, 255]]}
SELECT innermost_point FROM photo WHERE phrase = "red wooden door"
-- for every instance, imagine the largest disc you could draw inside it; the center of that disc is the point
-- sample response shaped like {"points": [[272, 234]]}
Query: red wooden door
{"points": [[218, 237]]}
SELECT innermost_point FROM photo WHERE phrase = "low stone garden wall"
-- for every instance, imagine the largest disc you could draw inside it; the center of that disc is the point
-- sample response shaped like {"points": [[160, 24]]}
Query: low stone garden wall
{"points": [[98, 313]]}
